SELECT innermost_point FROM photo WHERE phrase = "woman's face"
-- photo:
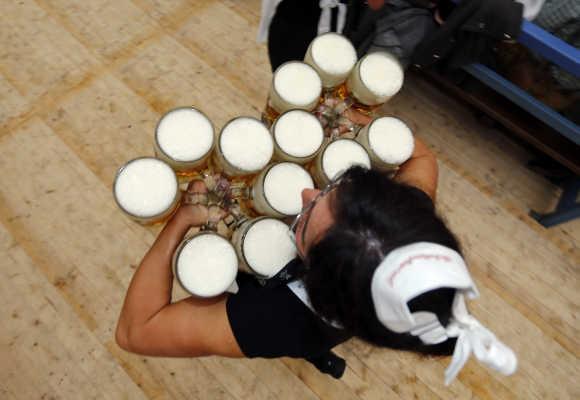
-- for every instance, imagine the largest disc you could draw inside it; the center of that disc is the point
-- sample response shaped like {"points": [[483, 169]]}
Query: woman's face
{"points": [[311, 229]]}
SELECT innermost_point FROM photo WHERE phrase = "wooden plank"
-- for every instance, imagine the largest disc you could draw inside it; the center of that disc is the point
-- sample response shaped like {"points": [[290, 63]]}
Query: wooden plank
{"points": [[46, 350], [411, 375], [324, 386], [170, 14], [237, 57], [107, 27], [546, 370], [39, 56], [63, 217], [536, 278], [239, 380], [167, 75], [47, 100], [279, 379], [249, 9], [13, 103], [408, 373], [364, 381], [105, 118], [534, 272]]}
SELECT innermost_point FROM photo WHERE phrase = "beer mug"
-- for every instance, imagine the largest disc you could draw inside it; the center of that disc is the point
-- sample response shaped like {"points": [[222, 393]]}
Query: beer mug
{"points": [[297, 135], [205, 265], [333, 56], [389, 142], [277, 191], [374, 80], [244, 147], [146, 189], [336, 157], [295, 85], [263, 246], [184, 139]]}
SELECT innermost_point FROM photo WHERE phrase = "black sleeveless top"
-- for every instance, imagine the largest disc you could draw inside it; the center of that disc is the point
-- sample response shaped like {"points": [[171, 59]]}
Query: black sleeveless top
{"points": [[268, 320]]}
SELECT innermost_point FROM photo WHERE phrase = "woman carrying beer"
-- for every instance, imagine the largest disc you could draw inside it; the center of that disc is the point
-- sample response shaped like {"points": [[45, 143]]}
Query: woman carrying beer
{"points": [[376, 262]]}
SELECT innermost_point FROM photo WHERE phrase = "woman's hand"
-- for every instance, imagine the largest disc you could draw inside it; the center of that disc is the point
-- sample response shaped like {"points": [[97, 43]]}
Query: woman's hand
{"points": [[193, 209], [198, 207]]}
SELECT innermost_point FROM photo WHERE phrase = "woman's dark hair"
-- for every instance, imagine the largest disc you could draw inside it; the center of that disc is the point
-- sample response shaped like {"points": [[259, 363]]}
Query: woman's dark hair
{"points": [[374, 215]]}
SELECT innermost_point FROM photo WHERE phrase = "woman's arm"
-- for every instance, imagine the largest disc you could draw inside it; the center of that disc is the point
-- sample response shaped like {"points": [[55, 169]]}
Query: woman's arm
{"points": [[420, 170], [150, 324]]}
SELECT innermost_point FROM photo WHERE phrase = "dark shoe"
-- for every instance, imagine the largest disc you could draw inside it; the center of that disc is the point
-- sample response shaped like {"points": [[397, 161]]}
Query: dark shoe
{"points": [[329, 363]]}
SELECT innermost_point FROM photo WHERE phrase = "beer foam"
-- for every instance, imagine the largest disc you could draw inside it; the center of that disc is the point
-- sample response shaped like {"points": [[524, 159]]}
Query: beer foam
{"points": [[298, 133], [342, 154], [268, 247], [184, 134], [334, 53], [247, 144], [207, 265], [391, 140], [297, 83], [145, 187], [283, 187], [382, 74]]}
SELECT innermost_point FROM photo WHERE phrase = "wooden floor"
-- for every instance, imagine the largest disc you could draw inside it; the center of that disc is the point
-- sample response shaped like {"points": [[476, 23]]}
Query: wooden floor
{"points": [[82, 84]]}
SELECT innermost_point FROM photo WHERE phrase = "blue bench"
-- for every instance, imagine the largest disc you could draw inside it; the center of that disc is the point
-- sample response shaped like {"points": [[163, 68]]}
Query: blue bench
{"points": [[567, 57]]}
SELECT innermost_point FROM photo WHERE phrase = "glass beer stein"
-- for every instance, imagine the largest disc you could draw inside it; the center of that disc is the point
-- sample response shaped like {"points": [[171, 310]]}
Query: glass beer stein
{"points": [[263, 246], [146, 189], [184, 139], [389, 142], [333, 56], [336, 157], [277, 191], [244, 147], [374, 80], [205, 265], [295, 85], [298, 136]]}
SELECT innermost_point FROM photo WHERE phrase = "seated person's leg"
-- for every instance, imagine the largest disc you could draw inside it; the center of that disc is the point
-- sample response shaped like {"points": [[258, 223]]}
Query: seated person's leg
{"points": [[293, 27]]}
